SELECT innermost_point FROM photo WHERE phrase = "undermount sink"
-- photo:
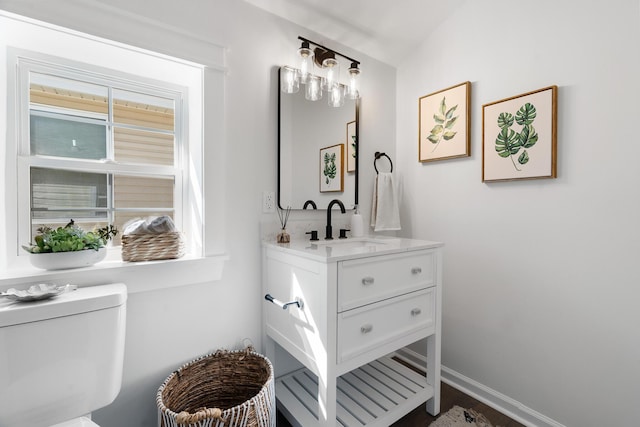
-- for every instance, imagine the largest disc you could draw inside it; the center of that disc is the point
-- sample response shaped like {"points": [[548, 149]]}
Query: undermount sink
{"points": [[365, 242]]}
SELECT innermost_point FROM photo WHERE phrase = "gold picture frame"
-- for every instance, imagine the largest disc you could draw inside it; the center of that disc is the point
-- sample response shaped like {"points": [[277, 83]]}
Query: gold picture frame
{"points": [[331, 169], [519, 137], [444, 124]]}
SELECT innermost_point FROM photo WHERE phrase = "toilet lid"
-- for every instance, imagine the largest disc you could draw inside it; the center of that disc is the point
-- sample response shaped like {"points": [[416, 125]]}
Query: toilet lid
{"points": [[82, 300], [78, 422]]}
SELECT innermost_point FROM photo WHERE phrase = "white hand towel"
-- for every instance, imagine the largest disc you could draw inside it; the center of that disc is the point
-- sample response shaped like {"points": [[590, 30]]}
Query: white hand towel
{"points": [[385, 214]]}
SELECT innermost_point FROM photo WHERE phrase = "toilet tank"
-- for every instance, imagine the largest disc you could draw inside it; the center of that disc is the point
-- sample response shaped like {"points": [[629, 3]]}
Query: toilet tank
{"points": [[61, 358]]}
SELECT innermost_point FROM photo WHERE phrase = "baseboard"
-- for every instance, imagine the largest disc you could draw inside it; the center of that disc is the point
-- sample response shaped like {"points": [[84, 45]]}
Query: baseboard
{"points": [[498, 401]]}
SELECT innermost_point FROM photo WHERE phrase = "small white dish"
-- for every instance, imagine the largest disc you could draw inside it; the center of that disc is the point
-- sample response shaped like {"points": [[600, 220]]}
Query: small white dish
{"points": [[37, 292]]}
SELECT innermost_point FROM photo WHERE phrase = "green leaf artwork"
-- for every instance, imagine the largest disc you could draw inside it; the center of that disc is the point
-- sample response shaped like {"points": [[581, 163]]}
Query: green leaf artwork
{"points": [[509, 142], [444, 123], [353, 146], [330, 169]]}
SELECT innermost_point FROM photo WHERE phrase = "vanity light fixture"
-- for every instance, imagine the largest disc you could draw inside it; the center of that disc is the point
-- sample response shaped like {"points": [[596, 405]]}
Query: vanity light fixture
{"points": [[325, 59], [332, 66], [336, 96], [313, 88], [290, 82], [306, 62], [353, 89]]}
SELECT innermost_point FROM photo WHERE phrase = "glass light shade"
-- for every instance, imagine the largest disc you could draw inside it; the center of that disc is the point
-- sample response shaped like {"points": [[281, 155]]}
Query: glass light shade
{"points": [[336, 96], [333, 72], [313, 89], [289, 81], [353, 90], [306, 62]]}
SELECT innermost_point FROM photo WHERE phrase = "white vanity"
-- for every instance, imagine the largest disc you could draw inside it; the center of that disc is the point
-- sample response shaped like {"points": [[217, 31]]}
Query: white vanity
{"points": [[354, 302]]}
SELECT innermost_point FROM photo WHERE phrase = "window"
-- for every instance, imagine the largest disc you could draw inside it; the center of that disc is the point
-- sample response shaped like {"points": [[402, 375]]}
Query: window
{"points": [[97, 147], [118, 165]]}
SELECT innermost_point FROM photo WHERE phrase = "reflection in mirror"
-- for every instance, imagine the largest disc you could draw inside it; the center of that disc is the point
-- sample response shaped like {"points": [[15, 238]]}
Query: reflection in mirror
{"points": [[306, 130]]}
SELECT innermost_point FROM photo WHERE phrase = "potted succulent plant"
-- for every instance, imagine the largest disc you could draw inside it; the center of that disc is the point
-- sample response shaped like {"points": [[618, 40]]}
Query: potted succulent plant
{"points": [[69, 246]]}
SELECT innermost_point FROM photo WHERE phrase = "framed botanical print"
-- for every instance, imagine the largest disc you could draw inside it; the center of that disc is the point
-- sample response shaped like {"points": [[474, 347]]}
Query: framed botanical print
{"points": [[331, 169], [519, 136], [444, 128]]}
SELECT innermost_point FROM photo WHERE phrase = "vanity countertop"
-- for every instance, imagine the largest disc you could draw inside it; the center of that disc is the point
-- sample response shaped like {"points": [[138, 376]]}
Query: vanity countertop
{"points": [[351, 248]]}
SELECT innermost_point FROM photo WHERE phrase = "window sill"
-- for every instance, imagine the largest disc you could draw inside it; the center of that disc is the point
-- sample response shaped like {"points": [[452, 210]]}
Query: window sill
{"points": [[138, 276]]}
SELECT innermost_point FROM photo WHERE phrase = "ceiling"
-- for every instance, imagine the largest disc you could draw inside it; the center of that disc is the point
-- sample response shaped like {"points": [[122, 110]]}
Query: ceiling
{"points": [[385, 30]]}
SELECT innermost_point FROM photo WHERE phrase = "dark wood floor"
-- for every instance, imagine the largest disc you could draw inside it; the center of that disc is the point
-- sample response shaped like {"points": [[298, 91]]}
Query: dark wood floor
{"points": [[449, 398]]}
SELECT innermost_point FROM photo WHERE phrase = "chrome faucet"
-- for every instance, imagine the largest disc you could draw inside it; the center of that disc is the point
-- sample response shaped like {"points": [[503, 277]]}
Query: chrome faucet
{"points": [[329, 232]]}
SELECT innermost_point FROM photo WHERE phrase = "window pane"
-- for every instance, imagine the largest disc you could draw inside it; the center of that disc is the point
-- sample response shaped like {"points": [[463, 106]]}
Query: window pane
{"points": [[143, 193], [136, 146], [140, 197], [58, 196], [67, 93], [58, 136], [70, 118], [147, 111]]}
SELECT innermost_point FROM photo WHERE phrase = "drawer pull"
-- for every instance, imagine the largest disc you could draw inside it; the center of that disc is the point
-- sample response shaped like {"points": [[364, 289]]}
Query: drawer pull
{"points": [[366, 328], [416, 270], [367, 281], [416, 311]]}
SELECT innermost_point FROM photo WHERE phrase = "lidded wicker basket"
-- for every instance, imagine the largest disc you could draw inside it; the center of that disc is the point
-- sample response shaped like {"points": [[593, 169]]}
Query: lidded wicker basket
{"points": [[152, 246], [223, 389]]}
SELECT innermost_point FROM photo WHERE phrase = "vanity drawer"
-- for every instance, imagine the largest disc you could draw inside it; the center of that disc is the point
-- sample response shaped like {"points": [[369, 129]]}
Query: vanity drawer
{"points": [[366, 328], [368, 280]]}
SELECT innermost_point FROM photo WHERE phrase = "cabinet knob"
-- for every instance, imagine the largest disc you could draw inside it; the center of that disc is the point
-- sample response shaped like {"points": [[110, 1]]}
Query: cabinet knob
{"points": [[367, 281], [365, 329], [416, 270], [416, 311]]}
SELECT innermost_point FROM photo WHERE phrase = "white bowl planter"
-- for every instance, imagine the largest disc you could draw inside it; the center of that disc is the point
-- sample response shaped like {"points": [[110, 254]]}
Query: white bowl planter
{"points": [[64, 260]]}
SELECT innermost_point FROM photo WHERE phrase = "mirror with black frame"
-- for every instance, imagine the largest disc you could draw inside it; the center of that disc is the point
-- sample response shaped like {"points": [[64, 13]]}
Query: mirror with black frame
{"points": [[317, 151]]}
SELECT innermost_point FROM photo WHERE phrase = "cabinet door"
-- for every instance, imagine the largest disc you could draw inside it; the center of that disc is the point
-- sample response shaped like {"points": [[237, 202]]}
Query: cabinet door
{"points": [[300, 331], [365, 281], [376, 325]]}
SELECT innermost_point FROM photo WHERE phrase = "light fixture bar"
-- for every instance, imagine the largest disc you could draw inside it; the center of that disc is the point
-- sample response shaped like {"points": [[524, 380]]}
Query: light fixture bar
{"points": [[329, 50]]}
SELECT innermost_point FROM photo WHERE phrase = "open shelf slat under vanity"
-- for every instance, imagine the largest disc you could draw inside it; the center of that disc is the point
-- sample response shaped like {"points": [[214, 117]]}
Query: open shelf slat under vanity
{"points": [[373, 395]]}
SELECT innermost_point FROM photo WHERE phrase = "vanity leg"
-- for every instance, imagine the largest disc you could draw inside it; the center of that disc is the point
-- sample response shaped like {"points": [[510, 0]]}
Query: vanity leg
{"points": [[433, 374], [327, 399], [270, 351]]}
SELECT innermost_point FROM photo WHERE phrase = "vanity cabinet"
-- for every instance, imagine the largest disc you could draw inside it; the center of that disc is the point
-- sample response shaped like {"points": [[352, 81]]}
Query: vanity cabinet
{"points": [[357, 305]]}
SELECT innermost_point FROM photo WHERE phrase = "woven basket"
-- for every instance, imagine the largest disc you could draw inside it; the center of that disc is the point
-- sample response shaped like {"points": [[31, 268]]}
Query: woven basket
{"points": [[149, 247], [226, 388]]}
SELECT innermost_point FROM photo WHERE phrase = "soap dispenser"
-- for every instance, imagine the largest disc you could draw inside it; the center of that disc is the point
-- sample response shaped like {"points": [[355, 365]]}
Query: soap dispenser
{"points": [[357, 229]]}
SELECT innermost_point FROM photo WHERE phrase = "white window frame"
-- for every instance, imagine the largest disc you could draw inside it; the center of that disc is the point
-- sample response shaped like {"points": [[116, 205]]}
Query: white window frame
{"points": [[179, 57], [59, 67]]}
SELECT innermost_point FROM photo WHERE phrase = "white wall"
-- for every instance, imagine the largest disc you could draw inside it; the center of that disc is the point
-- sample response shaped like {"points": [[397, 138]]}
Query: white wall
{"points": [[540, 277], [168, 327]]}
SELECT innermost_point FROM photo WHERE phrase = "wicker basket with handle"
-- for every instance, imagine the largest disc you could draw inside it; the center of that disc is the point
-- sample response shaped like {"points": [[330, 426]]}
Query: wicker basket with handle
{"points": [[226, 388], [152, 246]]}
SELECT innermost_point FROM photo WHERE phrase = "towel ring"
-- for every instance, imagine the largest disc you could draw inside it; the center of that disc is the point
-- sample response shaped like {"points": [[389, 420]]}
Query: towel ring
{"points": [[377, 156]]}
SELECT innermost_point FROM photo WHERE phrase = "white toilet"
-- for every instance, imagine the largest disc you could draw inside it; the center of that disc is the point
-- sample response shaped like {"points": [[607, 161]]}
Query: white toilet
{"points": [[61, 359]]}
